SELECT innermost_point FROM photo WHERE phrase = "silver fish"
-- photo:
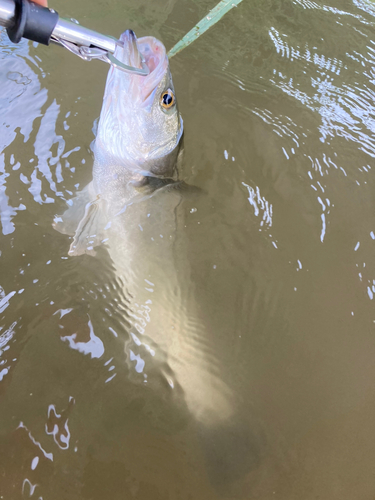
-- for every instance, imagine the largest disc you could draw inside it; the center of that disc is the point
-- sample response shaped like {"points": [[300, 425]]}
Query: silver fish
{"points": [[131, 206]]}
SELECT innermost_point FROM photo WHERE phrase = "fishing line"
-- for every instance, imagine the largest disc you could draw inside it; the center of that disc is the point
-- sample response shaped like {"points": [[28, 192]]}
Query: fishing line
{"points": [[212, 18]]}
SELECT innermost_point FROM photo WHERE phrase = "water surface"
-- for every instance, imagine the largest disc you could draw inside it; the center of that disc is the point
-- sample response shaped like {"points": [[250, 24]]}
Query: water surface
{"points": [[276, 253]]}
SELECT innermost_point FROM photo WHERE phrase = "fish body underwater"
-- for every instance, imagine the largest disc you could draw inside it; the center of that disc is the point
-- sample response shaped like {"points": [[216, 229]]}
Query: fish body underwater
{"points": [[131, 206]]}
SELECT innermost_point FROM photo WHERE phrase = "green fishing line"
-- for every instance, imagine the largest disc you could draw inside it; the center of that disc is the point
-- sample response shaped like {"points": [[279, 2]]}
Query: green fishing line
{"points": [[212, 17]]}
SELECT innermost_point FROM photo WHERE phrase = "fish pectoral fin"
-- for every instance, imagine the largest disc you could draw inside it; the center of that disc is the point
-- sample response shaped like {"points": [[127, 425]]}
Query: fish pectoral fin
{"points": [[84, 220], [155, 184], [68, 222], [86, 236], [183, 187]]}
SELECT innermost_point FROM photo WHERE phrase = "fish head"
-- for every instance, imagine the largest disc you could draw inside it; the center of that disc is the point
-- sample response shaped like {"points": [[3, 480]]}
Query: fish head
{"points": [[140, 123]]}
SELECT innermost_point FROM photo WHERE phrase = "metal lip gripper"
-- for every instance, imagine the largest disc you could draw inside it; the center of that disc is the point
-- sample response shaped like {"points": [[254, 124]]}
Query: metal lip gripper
{"points": [[23, 19]]}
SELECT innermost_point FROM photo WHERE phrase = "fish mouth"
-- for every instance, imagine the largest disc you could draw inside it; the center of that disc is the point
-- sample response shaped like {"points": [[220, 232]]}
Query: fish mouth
{"points": [[130, 54], [133, 52]]}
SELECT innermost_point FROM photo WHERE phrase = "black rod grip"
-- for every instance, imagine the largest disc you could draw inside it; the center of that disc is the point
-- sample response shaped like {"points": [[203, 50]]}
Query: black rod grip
{"points": [[33, 22]]}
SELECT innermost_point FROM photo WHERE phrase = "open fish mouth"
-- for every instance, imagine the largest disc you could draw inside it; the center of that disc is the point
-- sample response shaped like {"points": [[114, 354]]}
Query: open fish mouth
{"points": [[133, 52], [127, 50]]}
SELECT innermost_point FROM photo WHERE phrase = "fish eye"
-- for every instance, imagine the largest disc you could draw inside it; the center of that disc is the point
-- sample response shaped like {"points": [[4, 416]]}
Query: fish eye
{"points": [[167, 99]]}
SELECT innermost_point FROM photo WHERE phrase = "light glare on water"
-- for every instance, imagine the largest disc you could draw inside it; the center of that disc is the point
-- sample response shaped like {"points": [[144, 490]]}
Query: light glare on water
{"points": [[254, 380]]}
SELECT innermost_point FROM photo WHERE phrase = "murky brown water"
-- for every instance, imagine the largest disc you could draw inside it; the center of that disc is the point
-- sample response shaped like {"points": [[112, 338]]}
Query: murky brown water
{"points": [[276, 254]]}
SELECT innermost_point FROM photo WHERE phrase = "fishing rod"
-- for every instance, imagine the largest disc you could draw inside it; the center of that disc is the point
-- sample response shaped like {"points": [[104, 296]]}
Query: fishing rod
{"points": [[24, 19]]}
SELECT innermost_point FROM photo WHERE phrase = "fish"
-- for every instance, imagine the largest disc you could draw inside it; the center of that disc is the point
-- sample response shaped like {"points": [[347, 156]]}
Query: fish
{"points": [[131, 207], [130, 204]]}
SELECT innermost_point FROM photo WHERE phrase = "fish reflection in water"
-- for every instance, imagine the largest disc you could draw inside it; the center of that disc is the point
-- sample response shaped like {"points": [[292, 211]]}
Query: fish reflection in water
{"points": [[132, 207]]}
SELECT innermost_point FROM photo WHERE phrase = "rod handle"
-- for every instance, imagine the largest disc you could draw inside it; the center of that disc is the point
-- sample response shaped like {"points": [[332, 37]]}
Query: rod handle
{"points": [[33, 22]]}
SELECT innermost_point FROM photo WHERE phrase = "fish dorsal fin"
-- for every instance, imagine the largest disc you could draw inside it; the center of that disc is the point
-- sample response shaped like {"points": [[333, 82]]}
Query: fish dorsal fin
{"points": [[85, 220]]}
